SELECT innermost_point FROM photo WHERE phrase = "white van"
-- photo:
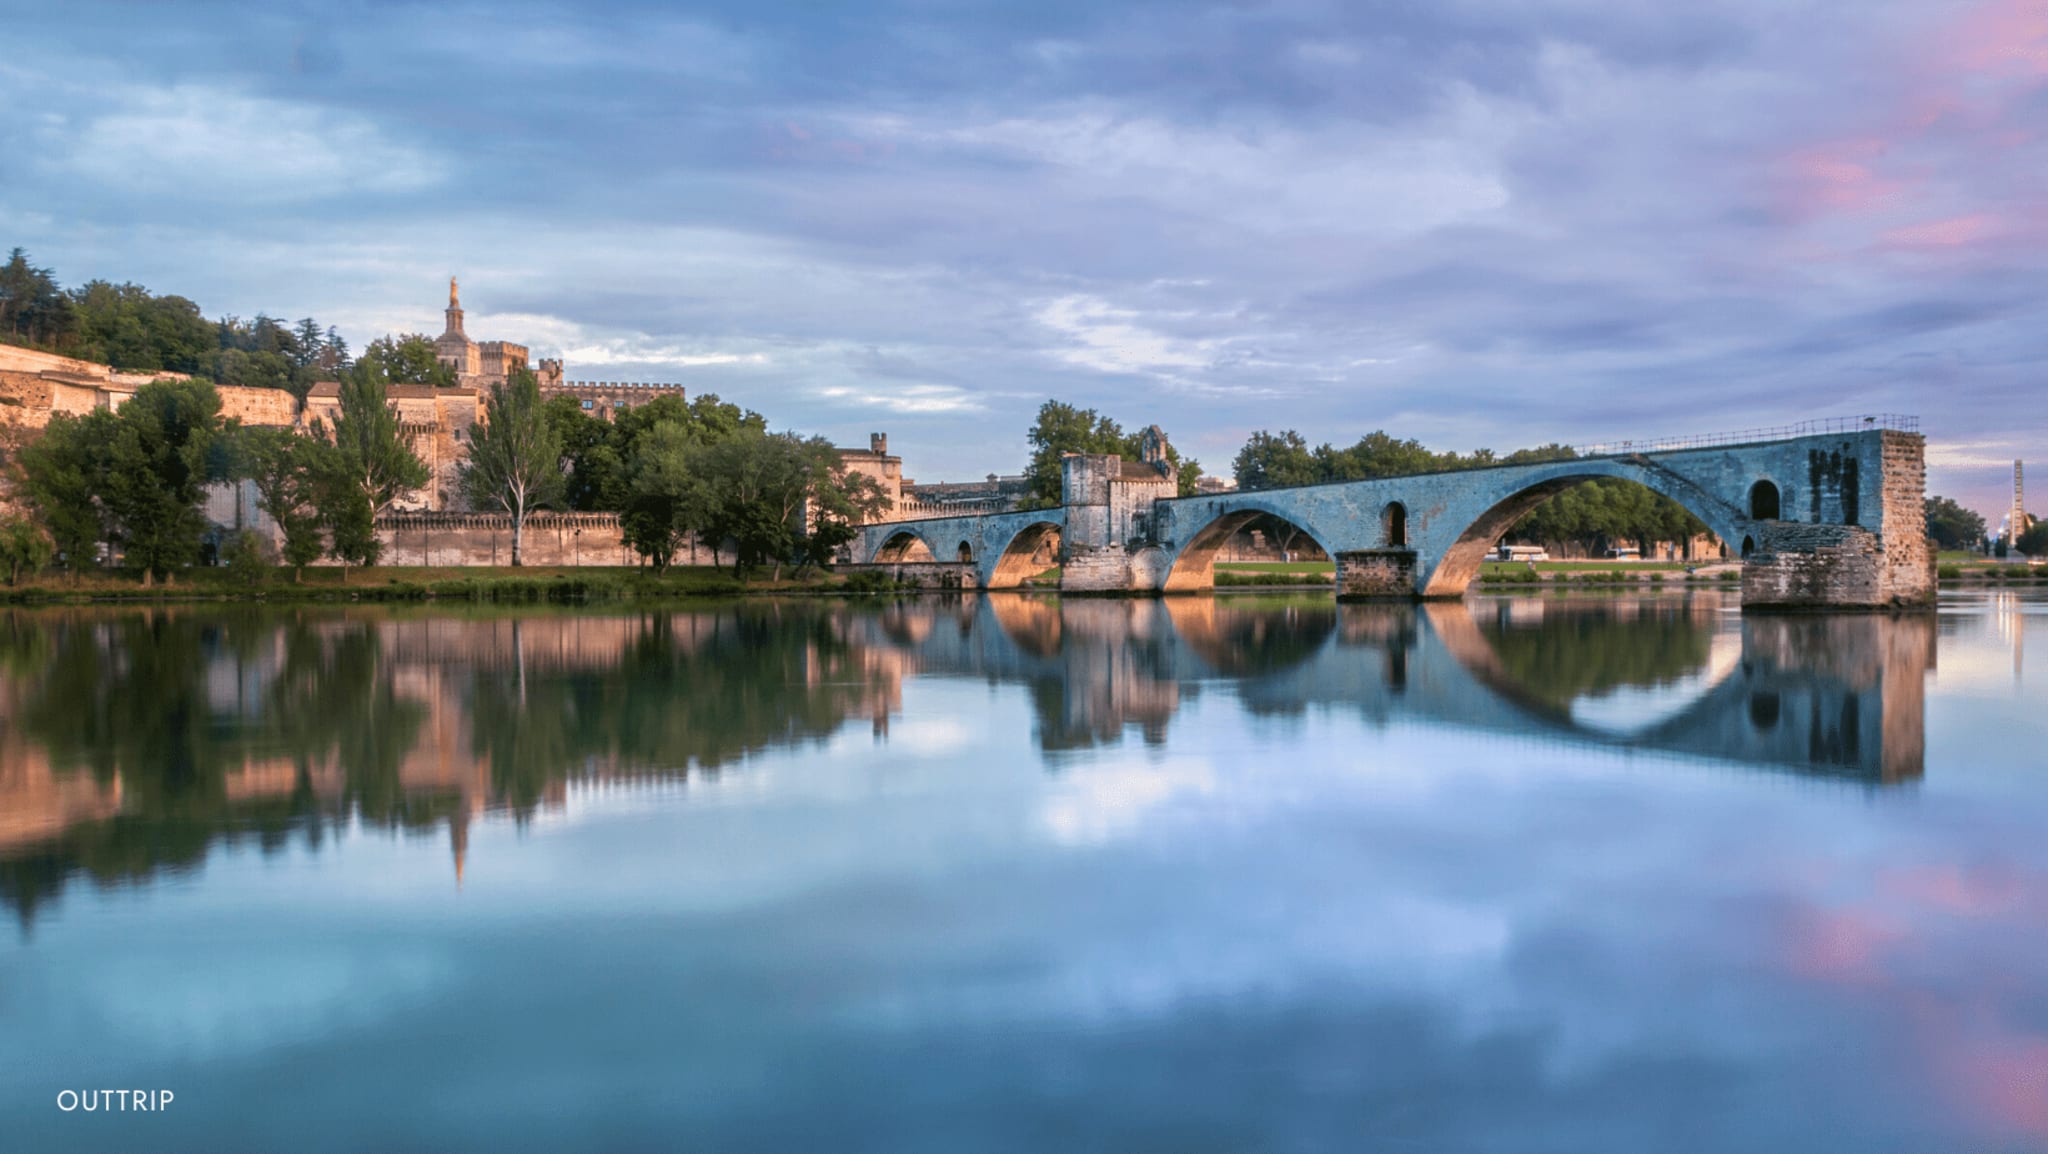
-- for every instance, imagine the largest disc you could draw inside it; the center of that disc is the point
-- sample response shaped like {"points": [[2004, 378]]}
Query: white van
{"points": [[1521, 553]]}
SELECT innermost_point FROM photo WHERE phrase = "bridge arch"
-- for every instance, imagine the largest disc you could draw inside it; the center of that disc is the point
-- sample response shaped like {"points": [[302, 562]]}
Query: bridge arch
{"points": [[1192, 567], [905, 545], [1023, 556], [1465, 532]]}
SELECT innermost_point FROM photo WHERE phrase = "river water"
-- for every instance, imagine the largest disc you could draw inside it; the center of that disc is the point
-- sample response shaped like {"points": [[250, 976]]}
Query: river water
{"points": [[1232, 873]]}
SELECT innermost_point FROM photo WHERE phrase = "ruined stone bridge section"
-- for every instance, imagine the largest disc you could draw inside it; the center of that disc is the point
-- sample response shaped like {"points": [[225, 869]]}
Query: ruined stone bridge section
{"points": [[1825, 519], [992, 551]]}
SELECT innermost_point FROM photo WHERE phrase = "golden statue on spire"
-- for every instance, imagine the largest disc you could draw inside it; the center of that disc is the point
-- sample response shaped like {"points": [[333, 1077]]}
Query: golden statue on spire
{"points": [[454, 301]]}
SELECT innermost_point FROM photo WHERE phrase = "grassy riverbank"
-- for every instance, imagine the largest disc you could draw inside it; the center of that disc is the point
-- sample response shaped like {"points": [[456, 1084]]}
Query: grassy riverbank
{"points": [[418, 583]]}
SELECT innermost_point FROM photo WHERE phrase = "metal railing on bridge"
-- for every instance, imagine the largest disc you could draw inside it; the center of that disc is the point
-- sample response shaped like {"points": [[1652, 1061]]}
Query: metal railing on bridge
{"points": [[1896, 422]]}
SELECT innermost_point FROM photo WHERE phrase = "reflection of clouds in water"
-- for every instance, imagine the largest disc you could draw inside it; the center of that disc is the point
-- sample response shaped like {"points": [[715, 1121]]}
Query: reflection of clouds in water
{"points": [[1628, 709], [1105, 801], [189, 999]]}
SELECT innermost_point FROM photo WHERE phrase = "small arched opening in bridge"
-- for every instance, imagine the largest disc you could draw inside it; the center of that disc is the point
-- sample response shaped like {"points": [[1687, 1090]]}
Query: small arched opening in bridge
{"points": [[1763, 501], [1528, 514], [1035, 549], [1250, 541], [965, 553], [903, 547], [1748, 547], [1394, 525]]}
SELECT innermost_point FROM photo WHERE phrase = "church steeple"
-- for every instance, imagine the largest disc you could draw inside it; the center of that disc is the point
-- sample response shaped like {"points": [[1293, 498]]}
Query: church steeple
{"points": [[454, 310]]}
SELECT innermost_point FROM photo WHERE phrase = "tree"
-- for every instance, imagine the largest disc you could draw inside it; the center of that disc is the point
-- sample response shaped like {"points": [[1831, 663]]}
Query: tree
{"points": [[62, 475], [841, 501], [1274, 460], [515, 457], [370, 466], [156, 469], [668, 499], [286, 469], [1951, 525], [24, 547], [778, 497], [1061, 429], [1379, 454], [2034, 542], [33, 310], [407, 359]]}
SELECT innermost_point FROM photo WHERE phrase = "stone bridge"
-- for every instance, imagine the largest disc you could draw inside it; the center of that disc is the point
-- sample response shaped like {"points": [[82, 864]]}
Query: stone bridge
{"points": [[1824, 514]]}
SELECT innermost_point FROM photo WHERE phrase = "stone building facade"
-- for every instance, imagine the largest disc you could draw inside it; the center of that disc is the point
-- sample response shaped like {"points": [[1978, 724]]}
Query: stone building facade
{"points": [[437, 423], [603, 399]]}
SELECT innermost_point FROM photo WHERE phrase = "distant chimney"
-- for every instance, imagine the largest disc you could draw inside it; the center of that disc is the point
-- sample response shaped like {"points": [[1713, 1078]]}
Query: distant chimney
{"points": [[878, 444]]}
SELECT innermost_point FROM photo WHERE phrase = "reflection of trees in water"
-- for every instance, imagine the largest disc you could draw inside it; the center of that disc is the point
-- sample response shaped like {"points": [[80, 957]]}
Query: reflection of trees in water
{"points": [[204, 727], [687, 691], [1569, 650], [169, 707]]}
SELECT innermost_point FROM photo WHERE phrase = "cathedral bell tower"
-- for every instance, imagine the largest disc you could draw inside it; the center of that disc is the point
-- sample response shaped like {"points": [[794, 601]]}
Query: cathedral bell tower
{"points": [[454, 310]]}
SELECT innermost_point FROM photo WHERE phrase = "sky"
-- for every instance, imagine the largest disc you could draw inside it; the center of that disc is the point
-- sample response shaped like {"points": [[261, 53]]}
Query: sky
{"points": [[1477, 224]]}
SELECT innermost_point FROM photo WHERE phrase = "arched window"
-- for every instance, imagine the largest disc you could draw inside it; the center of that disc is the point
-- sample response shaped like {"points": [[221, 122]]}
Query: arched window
{"points": [[966, 551], [1763, 501], [1394, 519], [1748, 546]]}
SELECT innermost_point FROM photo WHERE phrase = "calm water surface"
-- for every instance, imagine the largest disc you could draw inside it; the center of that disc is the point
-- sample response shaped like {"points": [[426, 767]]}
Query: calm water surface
{"points": [[1232, 873]]}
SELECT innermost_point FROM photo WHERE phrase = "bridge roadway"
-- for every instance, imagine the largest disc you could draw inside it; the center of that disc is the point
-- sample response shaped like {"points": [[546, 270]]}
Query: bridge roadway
{"points": [[1830, 518]]}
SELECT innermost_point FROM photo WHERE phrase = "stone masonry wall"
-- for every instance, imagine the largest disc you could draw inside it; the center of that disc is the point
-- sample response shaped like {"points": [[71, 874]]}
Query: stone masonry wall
{"points": [[924, 574], [1370, 573], [1814, 566], [1909, 559], [1106, 569], [486, 539]]}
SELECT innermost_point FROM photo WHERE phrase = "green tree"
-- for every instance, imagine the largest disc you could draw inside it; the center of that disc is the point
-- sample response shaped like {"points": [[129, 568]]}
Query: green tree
{"points": [[669, 498], [24, 547], [63, 474], [515, 456], [1380, 454], [1275, 460], [765, 491], [33, 310], [156, 469], [1951, 525], [1062, 428], [407, 359], [370, 466], [286, 469], [841, 501]]}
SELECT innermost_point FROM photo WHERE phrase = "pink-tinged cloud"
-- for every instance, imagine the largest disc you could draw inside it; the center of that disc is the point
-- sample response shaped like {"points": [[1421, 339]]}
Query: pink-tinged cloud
{"points": [[1955, 232], [2006, 37], [2006, 1078], [1841, 176]]}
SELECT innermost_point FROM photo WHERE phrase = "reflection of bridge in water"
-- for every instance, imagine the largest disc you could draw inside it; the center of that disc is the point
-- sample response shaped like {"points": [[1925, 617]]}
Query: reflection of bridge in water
{"points": [[136, 740], [1833, 695]]}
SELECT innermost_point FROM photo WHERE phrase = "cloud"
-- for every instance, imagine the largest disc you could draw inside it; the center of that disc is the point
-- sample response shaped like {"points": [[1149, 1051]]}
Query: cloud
{"points": [[197, 141], [1574, 220]]}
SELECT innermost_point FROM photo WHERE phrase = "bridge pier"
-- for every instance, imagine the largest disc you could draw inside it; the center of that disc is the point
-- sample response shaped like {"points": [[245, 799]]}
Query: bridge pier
{"points": [[1376, 575]]}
